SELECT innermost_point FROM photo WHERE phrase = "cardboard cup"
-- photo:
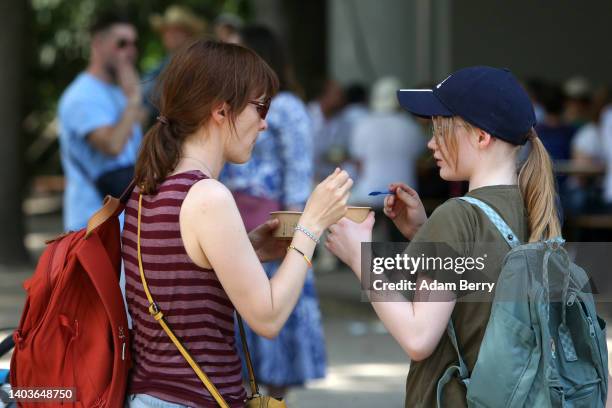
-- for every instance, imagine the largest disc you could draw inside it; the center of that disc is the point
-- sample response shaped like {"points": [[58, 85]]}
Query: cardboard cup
{"points": [[358, 214], [287, 222], [289, 219]]}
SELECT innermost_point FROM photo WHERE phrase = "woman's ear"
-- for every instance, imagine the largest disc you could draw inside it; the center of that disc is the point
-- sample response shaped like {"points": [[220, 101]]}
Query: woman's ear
{"points": [[219, 113], [484, 138]]}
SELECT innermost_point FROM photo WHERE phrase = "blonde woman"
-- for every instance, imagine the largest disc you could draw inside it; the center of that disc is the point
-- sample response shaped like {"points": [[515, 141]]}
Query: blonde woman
{"points": [[481, 118]]}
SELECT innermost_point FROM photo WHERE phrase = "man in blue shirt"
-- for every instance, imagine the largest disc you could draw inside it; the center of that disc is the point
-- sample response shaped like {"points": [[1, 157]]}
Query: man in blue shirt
{"points": [[99, 115]]}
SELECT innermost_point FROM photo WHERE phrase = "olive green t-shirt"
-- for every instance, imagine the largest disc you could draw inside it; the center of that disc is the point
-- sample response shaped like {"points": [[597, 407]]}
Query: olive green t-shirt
{"points": [[464, 227]]}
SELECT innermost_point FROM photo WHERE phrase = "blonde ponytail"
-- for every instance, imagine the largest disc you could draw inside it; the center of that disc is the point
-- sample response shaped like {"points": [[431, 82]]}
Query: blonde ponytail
{"points": [[537, 185]]}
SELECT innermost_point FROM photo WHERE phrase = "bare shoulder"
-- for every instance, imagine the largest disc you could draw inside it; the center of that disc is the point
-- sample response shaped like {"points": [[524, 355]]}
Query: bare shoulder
{"points": [[207, 205], [207, 194]]}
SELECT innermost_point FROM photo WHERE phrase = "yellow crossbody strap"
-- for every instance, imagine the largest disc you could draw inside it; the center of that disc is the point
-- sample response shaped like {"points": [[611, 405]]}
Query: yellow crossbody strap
{"points": [[247, 356], [159, 316]]}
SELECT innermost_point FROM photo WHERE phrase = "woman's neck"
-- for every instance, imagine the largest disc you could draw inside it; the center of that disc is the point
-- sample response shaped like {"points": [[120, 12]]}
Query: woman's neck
{"points": [[202, 153], [504, 173]]}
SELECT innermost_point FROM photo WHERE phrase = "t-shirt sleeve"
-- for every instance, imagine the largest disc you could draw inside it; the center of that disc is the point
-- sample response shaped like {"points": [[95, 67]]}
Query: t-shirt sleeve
{"points": [[83, 116], [444, 242], [452, 222]]}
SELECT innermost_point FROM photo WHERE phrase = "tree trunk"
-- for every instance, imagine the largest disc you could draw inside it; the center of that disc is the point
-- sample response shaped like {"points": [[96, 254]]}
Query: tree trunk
{"points": [[12, 30]]}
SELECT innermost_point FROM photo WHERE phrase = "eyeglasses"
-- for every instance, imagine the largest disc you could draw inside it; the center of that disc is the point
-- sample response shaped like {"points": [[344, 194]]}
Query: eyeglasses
{"points": [[262, 107], [124, 42]]}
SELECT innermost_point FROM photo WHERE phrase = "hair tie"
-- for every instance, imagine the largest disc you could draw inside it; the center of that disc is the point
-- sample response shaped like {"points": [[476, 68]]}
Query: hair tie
{"points": [[530, 136], [162, 119]]}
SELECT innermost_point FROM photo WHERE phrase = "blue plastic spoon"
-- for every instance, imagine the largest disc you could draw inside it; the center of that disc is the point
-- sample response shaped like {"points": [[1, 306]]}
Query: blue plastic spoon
{"points": [[375, 193]]}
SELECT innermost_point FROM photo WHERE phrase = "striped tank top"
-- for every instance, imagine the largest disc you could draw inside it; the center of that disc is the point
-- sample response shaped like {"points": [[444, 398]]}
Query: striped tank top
{"points": [[193, 301]]}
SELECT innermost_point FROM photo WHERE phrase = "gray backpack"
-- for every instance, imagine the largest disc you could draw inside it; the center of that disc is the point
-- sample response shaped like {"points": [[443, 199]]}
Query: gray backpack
{"points": [[544, 345]]}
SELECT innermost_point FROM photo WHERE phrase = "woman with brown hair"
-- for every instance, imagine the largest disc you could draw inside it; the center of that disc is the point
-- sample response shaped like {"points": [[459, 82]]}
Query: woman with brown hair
{"points": [[199, 262]]}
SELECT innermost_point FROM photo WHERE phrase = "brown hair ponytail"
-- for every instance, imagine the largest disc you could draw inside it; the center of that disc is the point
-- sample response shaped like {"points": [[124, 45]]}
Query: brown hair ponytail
{"points": [[537, 185], [199, 77], [159, 154]]}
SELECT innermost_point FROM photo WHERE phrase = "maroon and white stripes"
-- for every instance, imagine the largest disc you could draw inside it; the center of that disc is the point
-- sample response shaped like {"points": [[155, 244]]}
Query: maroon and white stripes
{"points": [[193, 301]]}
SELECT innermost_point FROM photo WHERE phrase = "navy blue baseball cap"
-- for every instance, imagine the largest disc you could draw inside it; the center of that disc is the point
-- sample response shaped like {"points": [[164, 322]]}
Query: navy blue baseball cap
{"points": [[488, 98]]}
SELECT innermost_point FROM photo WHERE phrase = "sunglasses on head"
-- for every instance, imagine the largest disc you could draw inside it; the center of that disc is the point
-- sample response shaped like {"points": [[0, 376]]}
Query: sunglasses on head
{"points": [[124, 42], [262, 107]]}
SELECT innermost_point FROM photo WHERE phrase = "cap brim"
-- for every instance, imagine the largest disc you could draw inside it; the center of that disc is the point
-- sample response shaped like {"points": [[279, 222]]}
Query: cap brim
{"points": [[422, 102]]}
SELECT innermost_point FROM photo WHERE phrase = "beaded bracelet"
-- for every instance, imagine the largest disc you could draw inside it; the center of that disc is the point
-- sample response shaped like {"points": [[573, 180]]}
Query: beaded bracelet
{"points": [[308, 261], [308, 233]]}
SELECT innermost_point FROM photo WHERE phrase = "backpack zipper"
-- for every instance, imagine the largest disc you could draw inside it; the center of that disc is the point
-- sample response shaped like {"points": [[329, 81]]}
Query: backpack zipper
{"points": [[593, 335], [591, 326], [552, 348]]}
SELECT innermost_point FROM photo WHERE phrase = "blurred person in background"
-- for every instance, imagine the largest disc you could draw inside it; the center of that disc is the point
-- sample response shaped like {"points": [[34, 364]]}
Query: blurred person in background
{"points": [[578, 98], [386, 146], [534, 88], [588, 151], [554, 132], [587, 144], [323, 112], [227, 28], [99, 115], [177, 26], [354, 110], [279, 177], [556, 135], [606, 135]]}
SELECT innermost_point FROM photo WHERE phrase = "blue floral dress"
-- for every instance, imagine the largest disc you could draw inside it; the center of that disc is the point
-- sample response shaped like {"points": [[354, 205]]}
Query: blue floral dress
{"points": [[281, 168]]}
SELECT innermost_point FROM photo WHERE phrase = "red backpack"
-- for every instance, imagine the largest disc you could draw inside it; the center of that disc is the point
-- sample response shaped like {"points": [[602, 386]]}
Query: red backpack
{"points": [[73, 331]]}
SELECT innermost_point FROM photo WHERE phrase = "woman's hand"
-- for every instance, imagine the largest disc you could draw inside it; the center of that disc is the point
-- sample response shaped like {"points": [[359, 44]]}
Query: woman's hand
{"points": [[327, 203], [405, 209], [266, 246], [345, 240]]}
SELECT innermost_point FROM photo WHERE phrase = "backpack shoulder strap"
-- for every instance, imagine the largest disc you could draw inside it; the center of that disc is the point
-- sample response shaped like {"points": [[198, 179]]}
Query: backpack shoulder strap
{"points": [[509, 236], [460, 370], [111, 207], [98, 267]]}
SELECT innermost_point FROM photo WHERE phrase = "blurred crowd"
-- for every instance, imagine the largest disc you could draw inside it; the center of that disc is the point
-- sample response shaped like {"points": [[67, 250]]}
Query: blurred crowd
{"points": [[357, 126], [575, 125]]}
